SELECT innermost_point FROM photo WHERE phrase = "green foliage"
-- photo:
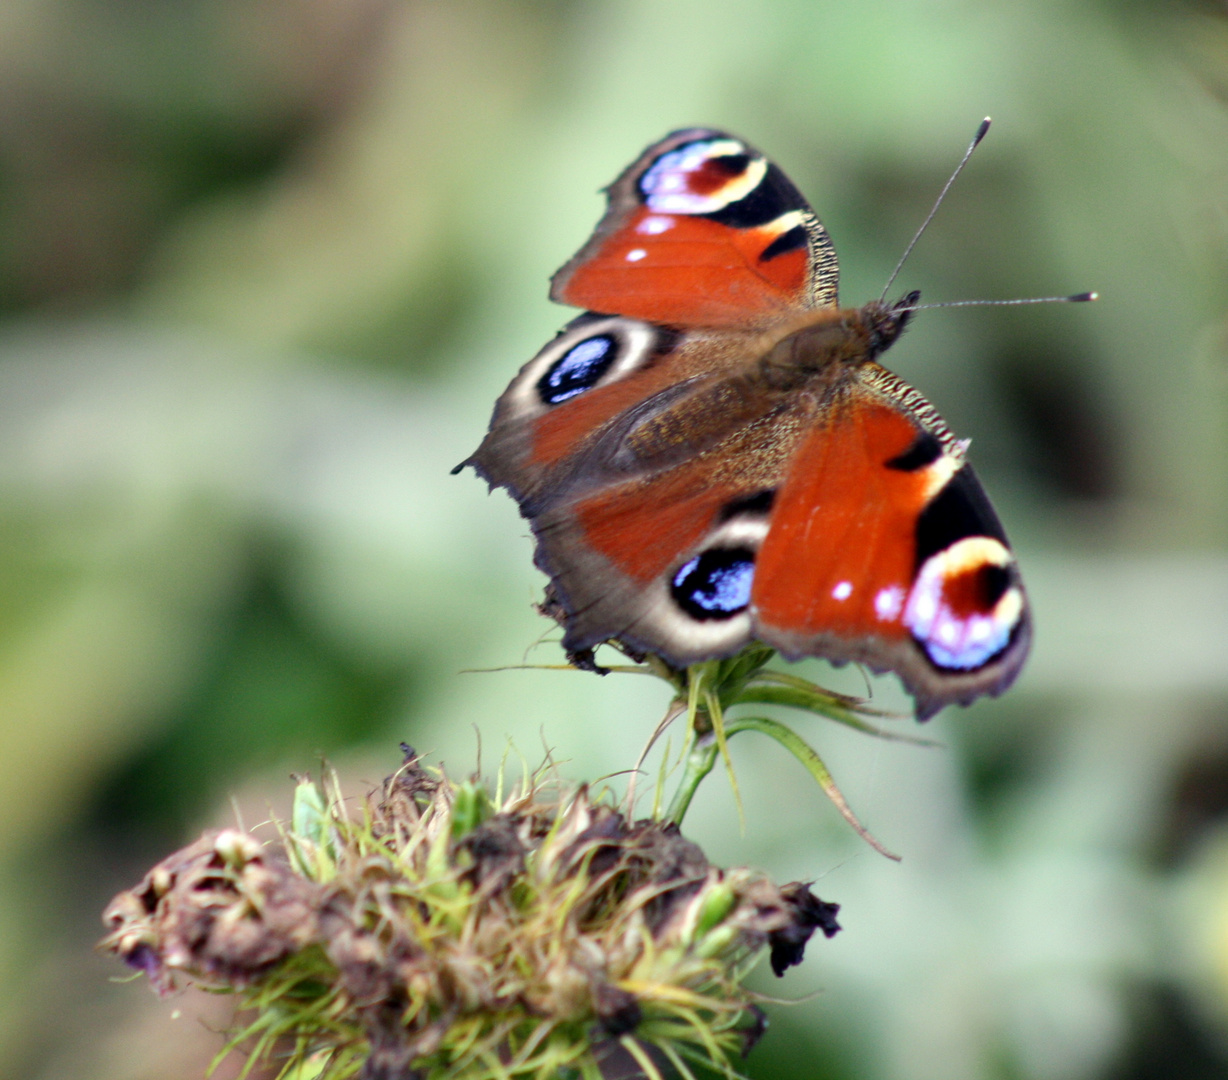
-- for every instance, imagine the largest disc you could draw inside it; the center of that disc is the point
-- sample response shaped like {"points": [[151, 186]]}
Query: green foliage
{"points": [[706, 692]]}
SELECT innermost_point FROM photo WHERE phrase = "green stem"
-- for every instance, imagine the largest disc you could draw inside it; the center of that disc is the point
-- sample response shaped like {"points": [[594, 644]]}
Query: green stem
{"points": [[699, 762]]}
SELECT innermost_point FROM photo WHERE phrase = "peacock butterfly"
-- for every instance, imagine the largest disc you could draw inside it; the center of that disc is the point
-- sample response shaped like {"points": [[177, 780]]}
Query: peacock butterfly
{"points": [[712, 453]]}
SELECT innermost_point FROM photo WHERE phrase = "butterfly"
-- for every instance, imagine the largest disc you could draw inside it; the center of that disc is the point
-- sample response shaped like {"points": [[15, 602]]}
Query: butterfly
{"points": [[711, 454]]}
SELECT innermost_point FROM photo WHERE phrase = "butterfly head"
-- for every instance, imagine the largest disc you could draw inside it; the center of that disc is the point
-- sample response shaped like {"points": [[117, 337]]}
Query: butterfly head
{"points": [[886, 322]]}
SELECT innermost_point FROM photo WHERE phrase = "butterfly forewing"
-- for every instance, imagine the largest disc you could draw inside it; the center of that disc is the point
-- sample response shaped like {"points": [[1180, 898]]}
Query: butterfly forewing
{"points": [[884, 549], [702, 230]]}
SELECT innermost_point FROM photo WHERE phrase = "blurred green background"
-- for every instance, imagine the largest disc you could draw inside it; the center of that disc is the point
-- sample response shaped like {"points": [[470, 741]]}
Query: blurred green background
{"points": [[265, 266]]}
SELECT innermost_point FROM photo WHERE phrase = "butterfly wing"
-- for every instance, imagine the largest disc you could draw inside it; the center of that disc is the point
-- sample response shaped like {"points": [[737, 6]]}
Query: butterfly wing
{"points": [[702, 230], [663, 559], [568, 409], [883, 548]]}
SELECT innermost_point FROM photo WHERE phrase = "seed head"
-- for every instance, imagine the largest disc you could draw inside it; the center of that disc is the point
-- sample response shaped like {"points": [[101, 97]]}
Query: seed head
{"points": [[437, 934]]}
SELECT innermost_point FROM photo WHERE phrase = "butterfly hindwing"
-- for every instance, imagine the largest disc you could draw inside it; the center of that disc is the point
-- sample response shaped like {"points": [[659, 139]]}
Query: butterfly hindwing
{"points": [[664, 560]]}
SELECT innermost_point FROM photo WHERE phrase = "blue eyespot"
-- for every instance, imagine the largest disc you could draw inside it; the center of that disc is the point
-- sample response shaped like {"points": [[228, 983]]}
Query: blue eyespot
{"points": [[965, 605], [715, 584], [578, 369]]}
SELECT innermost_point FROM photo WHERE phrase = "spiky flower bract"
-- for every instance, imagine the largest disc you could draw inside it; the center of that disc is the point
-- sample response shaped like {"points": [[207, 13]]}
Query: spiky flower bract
{"points": [[444, 932]]}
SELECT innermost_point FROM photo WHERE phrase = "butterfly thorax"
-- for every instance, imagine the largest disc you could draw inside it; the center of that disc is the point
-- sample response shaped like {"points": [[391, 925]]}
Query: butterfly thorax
{"points": [[818, 355], [830, 341]]}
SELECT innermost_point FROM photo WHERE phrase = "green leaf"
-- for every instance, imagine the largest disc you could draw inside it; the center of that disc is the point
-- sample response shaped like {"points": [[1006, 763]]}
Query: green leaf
{"points": [[309, 817], [815, 700], [813, 764], [714, 908], [311, 839], [470, 808]]}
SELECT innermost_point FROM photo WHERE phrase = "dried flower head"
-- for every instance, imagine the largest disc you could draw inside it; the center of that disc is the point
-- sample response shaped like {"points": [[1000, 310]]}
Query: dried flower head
{"points": [[443, 933]]}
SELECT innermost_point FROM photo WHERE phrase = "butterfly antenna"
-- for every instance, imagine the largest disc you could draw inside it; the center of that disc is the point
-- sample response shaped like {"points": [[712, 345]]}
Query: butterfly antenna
{"points": [[1078, 298], [980, 134]]}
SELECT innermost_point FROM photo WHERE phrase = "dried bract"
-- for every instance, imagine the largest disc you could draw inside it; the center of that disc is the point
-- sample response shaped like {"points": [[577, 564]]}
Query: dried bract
{"points": [[438, 934]]}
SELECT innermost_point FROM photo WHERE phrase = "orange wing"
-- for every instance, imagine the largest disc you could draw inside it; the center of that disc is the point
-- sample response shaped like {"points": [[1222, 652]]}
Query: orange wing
{"points": [[702, 230], [883, 548]]}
